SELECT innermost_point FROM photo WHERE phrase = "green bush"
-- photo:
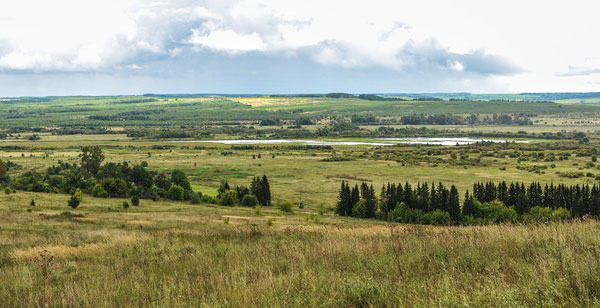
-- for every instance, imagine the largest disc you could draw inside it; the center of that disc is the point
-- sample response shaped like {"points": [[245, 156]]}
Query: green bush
{"points": [[73, 202], [249, 200], [196, 198], [209, 199], [284, 206], [176, 192], [125, 204], [228, 198], [437, 217], [404, 214], [538, 214], [135, 200], [561, 214], [360, 209], [496, 212], [99, 192]]}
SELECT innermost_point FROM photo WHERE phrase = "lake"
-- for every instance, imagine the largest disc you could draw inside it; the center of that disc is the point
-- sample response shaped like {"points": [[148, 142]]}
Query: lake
{"points": [[377, 142]]}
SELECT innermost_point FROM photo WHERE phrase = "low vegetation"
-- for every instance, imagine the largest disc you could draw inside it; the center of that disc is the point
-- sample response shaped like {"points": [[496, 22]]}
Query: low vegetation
{"points": [[121, 201]]}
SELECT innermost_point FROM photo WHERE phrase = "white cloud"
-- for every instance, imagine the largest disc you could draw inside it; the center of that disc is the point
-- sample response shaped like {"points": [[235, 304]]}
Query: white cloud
{"points": [[228, 40], [521, 45]]}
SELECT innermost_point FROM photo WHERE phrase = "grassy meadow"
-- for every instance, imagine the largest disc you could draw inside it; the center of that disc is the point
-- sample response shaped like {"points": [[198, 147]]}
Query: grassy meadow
{"points": [[163, 254], [175, 254]]}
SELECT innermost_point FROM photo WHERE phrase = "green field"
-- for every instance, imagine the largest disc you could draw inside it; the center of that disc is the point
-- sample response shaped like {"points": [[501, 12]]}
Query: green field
{"points": [[173, 253]]}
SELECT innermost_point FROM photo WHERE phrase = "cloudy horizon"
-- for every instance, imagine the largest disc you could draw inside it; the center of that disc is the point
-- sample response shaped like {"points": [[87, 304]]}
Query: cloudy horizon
{"points": [[70, 47]]}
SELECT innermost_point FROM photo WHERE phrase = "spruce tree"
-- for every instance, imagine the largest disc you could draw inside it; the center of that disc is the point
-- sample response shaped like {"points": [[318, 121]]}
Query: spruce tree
{"points": [[354, 196], [368, 195], [521, 202], [454, 204], [468, 206], [408, 196], [342, 201], [266, 191]]}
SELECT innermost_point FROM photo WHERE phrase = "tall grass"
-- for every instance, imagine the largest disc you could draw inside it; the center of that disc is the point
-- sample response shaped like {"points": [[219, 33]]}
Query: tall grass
{"points": [[161, 256]]}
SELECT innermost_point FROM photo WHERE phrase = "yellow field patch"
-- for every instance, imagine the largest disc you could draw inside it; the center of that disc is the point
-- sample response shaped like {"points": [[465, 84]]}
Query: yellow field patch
{"points": [[64, 251], [273, 101]]}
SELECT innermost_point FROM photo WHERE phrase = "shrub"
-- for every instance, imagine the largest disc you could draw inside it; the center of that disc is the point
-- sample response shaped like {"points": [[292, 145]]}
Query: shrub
{"points": [[404, 214], [176, 192], [208, 199], [538, 214], [285, 206], [249, 200], [496, 212], [73, 202], [7, 191], [360, 209], [135, 200], [99, 192], [561, 214], [196, 197], [437, 217], [125, 204], [228, 198], [32, 203]]}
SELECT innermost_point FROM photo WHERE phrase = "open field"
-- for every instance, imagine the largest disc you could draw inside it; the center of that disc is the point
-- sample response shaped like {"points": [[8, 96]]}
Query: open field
{"points": [[169, 254], [146, 111], [299, 174], [173, 253]]}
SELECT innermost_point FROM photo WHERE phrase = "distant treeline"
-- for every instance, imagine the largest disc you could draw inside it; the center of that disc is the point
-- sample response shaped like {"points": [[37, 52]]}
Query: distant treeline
{"points": [[127, 116], [558, 96], [489, 203], [134, 101], [445, 119], [368, 97]]}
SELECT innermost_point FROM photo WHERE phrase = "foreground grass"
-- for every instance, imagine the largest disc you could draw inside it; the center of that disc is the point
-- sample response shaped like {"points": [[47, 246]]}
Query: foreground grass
{"points": [[169, 254]]}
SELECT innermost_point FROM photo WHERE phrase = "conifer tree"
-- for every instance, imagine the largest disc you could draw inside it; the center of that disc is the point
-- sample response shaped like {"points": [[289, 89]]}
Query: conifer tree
{"points": [[266, 191], [354, 196], [468, 206], [454, 204]]}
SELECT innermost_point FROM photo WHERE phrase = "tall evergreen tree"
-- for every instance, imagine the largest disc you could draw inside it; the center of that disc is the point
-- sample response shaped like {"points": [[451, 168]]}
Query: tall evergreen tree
{"points": [[266, 190], [368, 195], [344, 201], [454, 204], [354, 196], [408, 196], [521, 202], [468, 208]]}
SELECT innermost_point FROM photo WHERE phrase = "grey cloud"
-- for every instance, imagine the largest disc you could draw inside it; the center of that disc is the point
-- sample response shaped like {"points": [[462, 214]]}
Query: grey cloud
{"points": [[579, 71], [429, 54], [422, 56], [162, 27]]}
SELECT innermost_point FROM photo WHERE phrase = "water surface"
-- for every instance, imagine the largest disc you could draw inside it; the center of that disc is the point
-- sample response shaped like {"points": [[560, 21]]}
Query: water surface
{"points": [[377, 142]]}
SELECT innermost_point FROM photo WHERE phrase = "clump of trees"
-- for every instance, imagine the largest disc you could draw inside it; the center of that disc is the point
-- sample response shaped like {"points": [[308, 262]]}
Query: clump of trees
{"points": [[259, 193], [3, 173], [580, 200], [118, 180], [489, 203], [122, 180], [472, 119]]}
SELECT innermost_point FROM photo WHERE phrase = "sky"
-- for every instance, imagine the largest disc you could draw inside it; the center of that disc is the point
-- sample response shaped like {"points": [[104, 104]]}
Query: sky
{"points": [[121, 47]]}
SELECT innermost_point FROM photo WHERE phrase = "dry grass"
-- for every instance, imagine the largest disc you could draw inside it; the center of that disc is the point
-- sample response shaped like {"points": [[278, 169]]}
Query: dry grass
{"points": [[180, 255]]}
